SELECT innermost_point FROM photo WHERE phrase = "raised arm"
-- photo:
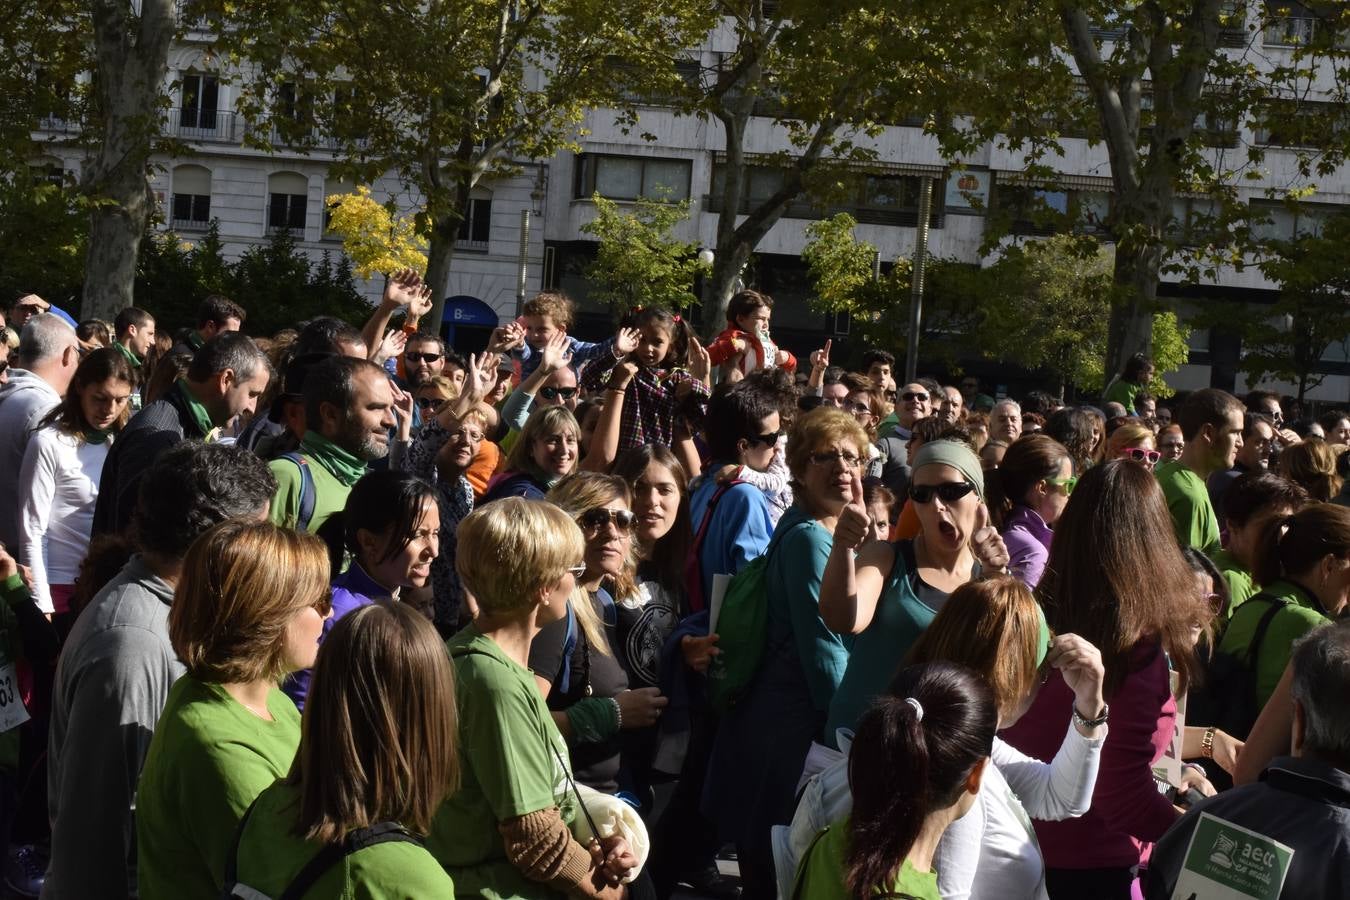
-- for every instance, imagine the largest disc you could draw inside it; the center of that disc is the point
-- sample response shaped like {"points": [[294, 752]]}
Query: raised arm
{"points": [[820, 361], [604, 447], [853, 580], [402, 291]]}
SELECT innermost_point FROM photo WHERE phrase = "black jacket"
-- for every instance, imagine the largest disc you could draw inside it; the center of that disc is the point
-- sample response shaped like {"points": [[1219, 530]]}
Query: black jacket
{"points": [[151, 431], [1301, 802]]}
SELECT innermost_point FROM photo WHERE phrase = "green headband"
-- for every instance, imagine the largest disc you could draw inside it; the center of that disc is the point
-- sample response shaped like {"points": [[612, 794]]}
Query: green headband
{"points": [[954, 454], [1042, 636]]}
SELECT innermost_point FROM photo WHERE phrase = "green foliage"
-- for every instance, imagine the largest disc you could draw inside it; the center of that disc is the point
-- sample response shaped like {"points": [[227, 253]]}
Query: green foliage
{"points": [[839, 265], [43, 231], [1171, 350], [638, 262], [278, 284]]}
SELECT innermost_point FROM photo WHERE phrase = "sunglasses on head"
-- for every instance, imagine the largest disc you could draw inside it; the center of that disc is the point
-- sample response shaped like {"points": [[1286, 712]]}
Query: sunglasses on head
{"points": [[767, 440], [949, 491], [553, 393], [910, 396], [595, 519], [422, 357], [1140, 455]]}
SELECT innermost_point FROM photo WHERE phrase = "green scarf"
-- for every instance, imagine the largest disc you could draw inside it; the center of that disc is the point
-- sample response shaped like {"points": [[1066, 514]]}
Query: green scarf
{"points": [[345, 467], [195, 341], [200, 417], [94, 436], [127, 352]]}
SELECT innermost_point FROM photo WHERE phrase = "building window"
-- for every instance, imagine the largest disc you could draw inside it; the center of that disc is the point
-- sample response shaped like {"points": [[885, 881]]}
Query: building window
{"points": [[874, 198], [1286, 223], [631, 177], [191, 201], [288, 199], [201, 93], [476, 229]]}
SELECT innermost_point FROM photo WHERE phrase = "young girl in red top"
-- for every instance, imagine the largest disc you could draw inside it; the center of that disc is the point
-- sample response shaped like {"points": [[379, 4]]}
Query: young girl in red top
{"points": [[745, 341]]}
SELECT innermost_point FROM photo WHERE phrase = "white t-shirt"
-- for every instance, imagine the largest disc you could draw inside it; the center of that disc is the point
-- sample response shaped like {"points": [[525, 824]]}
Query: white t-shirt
{"points": [[58, 489]]}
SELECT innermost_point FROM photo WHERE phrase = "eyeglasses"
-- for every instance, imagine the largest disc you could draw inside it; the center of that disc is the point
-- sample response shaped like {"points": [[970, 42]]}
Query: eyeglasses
{"points": [[1067, 483], [465, 434], [767, 440], [828, 459], [949, 491], [1140, 455], [909, 396], [422, 357], [595, 519], [553, 393], [576, 571], [858, 407], [428, 402]]}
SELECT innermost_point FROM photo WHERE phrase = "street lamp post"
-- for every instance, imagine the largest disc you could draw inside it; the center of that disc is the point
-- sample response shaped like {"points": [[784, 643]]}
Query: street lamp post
{"points": [[916, 279]]}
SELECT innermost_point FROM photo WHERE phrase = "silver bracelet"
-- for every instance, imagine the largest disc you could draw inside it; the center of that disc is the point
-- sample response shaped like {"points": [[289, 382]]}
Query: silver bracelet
{"points": [[618, 714], [1087, 723]]}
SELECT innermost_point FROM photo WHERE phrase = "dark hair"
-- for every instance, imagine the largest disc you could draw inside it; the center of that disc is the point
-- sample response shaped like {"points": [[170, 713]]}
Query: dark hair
{"points": [[1030, 460], [1134, 367], [325, 334], [1255, 492], [96, 367], [1040, 402], [1329, 420], [746, 301], [129, 317], [677, 355], [453, 358], [1202, 565], [1209, 406], [219, 309], [231, 350], [424, 337], [1289, 547], [194, 486], [1251, 420], [167, 370], [333, 380], [833, 375], [1256, 397], [667, 555], [736, 410], [905, 765], [382, 501], [1116, 576], [872, 357], [1072, 428], [932, 387], [1144, 395], [91, 329], [875, 491]]}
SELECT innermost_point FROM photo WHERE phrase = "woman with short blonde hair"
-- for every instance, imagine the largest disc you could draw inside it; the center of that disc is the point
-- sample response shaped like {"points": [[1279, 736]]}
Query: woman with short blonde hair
{"points": [[1135, 441], [248, 608], [378, 753], [507, 831]]}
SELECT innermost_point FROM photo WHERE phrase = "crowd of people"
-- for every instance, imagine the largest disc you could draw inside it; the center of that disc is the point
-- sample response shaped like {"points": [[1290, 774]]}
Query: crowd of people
{"points": [[342, 613]]}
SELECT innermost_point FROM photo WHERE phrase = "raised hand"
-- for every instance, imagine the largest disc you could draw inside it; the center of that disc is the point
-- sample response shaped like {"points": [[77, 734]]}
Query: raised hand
{"points": [[1080, 665], [482, 375], [404, 288], [854, 525], [506, 337], [391, 346], [626, 341], [820, 359], [556, 353], [403, 409], [700, 363], [623, 375], [421, 304], [987, 544]]}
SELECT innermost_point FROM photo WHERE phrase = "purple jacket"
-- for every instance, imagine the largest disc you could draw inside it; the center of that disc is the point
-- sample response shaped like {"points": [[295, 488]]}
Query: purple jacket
{"points": [[1028, 540], [352, 590]]}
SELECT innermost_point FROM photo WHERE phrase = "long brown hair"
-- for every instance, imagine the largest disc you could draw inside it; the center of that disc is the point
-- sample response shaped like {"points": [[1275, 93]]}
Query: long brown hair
{"points": [[1116, 574], [379, 741], [1030, 460], [667, 555], [97, 367]]}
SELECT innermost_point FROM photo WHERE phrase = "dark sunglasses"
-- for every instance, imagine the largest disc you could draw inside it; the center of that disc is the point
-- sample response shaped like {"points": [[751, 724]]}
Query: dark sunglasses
{"points": [[421, 357], [949, 491], [595, 519], [1140, 455], [767, 440], [908, 396], [427, 403], [553, 393]]}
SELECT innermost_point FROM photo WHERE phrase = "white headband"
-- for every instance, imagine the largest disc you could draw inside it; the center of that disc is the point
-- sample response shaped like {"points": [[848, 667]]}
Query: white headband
{"points": [[918, 709]]}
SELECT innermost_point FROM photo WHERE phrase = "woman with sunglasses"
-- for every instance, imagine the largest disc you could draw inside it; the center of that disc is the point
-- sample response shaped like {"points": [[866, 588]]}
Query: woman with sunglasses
{"points": [[762, 743], [1114, 539], [248, 609], [576, 660], [1133, 441], [1026, 495], [887, 593]]}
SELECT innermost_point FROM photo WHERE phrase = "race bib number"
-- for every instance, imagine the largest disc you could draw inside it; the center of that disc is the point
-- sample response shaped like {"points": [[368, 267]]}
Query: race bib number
{"points": [[12, 711], [1228, 862]]}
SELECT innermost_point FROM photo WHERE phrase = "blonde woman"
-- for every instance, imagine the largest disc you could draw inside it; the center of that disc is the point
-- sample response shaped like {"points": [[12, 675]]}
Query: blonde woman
{"points": [[1133, 441], [545, 453], [248, 609], [506, 832]]}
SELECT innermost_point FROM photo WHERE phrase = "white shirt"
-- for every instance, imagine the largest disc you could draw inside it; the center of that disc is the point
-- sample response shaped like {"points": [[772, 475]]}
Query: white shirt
{"points": [[58, 489]]}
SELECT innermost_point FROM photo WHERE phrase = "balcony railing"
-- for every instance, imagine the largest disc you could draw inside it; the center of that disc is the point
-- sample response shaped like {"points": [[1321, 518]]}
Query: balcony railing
{"points": [[58, 125], [806, 209], [470, 246], [189, 225], [216, 125]]}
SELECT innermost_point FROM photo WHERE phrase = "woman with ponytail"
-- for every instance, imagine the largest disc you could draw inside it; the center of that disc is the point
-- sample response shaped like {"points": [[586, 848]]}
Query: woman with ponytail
{"points": [[915, 767], [1026, 495]]}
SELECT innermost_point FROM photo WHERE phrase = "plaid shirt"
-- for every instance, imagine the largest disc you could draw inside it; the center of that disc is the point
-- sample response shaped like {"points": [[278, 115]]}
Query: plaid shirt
{"points": [[649, 403]]}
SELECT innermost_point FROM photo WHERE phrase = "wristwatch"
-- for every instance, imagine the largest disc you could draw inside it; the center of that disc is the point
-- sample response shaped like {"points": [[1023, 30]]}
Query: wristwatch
{"points": [[1084, 722], [1207, 744]]}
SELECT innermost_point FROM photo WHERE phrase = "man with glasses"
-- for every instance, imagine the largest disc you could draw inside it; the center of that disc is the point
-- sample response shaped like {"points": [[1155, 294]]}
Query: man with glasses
{"points": [[424, 359], [552, 383]]}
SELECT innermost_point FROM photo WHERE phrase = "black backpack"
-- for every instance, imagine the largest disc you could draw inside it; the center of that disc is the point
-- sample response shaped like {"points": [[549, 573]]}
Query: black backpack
{"points": [[325, 859], [1226, 697]]}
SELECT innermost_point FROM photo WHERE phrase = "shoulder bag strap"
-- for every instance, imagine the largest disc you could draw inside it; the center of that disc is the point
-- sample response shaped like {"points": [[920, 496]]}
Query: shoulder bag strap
{"points": [[1276, 604], [696, 549], [306, 513], [331, 855], [232, 861]]}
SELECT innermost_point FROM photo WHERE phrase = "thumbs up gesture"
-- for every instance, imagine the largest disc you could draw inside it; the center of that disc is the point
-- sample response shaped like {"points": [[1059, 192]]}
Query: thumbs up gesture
{"points": [[987, 544], [854, 525]]}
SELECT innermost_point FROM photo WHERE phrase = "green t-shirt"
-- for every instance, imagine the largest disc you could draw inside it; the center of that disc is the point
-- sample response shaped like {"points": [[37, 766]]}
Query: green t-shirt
{"points": [[209, 758], [1302, 615], [1188, 501], [820, 876], [1239, 580], [509, 749], [330, 495], [1123, 392], [271, 855]]}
